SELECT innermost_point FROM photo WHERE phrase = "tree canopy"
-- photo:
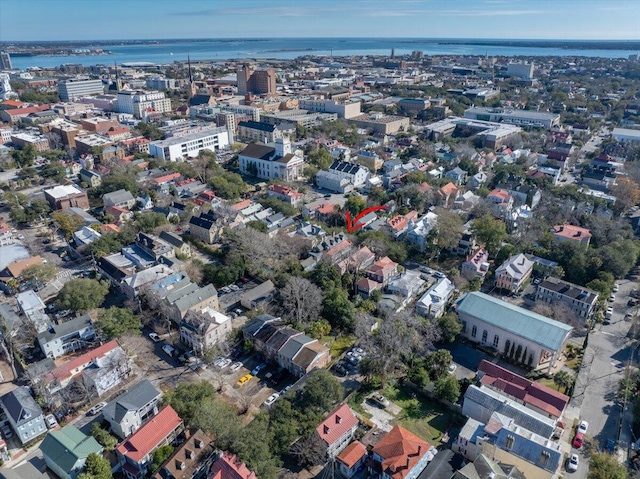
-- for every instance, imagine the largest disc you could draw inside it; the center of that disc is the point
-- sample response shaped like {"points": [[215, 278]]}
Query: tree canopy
{"points": [[115, 322], [81, 294], [96, 467]]}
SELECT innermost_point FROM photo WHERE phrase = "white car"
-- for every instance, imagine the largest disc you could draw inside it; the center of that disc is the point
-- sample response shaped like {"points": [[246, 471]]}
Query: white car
{"points": [[50, 419], [224, 363], [271, 399], [97, 408], [452, 368], [612, 298], [572, 464], [235, 366], [615, 288], [154, 337], [582, 427], [218, 361]]}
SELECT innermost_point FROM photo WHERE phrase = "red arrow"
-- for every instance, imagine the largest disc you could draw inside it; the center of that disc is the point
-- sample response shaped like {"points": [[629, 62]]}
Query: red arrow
{"points": [[355, 226]]}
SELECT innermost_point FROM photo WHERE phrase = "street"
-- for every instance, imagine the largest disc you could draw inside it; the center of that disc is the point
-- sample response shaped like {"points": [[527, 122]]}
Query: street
{"points": [[596, 390]]}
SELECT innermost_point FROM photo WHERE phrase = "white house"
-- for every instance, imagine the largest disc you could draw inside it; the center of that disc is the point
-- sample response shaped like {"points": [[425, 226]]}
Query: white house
{"points": [[24, 414], [433, 303], [66, 337], [127, 412], [273, 161], [514, 272]]}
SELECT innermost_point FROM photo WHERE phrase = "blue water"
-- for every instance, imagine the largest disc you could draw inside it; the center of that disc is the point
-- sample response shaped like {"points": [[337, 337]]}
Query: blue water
{"points": [[288, 48]]}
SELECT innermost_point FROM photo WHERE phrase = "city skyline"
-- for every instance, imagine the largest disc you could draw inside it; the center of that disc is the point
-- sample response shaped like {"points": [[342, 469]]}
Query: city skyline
{"points": [[189, 19]]}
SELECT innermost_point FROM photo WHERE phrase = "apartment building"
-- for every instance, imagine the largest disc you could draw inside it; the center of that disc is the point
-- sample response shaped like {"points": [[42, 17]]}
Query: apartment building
{"points": [[141, 103], [180, 148], [272, 162], [79, 87], [582, 301]]}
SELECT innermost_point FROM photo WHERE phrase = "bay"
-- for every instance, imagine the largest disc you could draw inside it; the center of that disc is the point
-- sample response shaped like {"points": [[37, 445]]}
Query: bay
{"points": [[164, 52]]}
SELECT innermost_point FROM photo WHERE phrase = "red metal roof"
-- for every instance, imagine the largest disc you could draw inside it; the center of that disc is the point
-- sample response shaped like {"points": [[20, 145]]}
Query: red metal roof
{"points": [[147, 438], [66, 370], [352, 454], [400, 450], [228, 466], [337, 424]]}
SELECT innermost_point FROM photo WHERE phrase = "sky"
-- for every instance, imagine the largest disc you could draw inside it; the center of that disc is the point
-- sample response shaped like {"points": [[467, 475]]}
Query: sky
{"points": [[33, 20]]}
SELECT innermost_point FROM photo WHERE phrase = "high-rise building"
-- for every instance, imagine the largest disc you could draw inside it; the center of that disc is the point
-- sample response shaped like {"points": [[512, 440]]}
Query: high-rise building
{"points": [[140, 103], [5, 61], [259, 82], [520, 70], [79, 87]]}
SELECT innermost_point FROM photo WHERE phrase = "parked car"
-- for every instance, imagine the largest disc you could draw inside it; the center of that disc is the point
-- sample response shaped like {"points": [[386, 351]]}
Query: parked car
{"points": [[381, 400], [7, 431], [50, 419], [578, 440], [635, 293], [271, 399], [97, 408], [169, 350], [582, 427], [244, 380], [572, 464], [632, 302], [258, 368], [612, 298], [452, 368], [235, 366], [615, 287], [233, 287], [224, 363], [238, 312], [608, 313], [154, 337]]}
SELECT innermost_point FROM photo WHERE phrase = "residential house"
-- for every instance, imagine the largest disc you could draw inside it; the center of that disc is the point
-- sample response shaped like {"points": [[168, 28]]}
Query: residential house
{"points": [[130, 410], [366, 286], [418, 230], [313, 355], [228, 466], [336, 249], [135, 454], [486, 468], [458, 176], [407, 285], [119, 198], [435, 300], [477, 180], [180, 247], [465, 201], [66, 337], [475, 265], [154, 246], [274, 347], [132, 285], [66, 196], [91, 178], [534, 395], [513, 273], [576, 234], [85, 236], [358, 261], [383, 270], [24, 414], [580, 300], [14, 273], [352, 459], [518, 333], [34, 309], [337, 430], [399, 224], [501, 201], [144, 202], [256, 325], [205, 227], [467, 243], [65, 451], [201, 331], [255, 297], [502, 438], [191, 297], [286, 194], [189, 459], [6, 234], [447, 194], [400, 454], [115, 268]]}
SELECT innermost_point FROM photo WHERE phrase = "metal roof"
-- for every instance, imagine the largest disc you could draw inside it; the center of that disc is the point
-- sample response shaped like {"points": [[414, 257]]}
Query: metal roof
{"points": [[508, 317]]}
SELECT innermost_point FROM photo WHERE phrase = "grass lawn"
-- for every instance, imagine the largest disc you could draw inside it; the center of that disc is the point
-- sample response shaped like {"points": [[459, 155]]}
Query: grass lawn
{"points": [[338, 345], [574, 363], [420, 415], [549, 383]]}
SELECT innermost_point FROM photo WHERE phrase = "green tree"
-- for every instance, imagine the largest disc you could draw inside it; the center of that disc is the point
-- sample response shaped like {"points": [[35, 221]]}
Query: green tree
{"points": [[41, 273], [67, 222], [96, 467], [147, 222], [258, 225], [279, 206], [605, 466], [187, 397], [107, 243], [320, 158], [447, 388], [450, 326], [489, 231], [219, 420], [103, 437], [448, 231], [25, 156], [326, 276], [355, 204], [81, 294], [160, 455], [338, 310], [120, 180], [116, 322], [322, 392], [253, 446]]}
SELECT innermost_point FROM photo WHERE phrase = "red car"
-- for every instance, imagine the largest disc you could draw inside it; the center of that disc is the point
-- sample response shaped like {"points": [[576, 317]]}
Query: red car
{"points": [[578, 440]]}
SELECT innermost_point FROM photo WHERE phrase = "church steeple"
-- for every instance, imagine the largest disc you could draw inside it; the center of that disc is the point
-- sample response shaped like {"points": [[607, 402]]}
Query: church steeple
{"points": [[192, 85], [118, 81]]}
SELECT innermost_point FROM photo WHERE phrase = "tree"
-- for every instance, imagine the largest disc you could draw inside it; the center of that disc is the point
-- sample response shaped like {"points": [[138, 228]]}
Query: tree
{"points": [[253, 446], [489, 231], [448, 231], [147, 222], [338, 310], [302, 300], [96, 467], [81, 294], [310, 450], [219, 420], [103, 437], [564, 380], [41, 273], [627, 192], [605, 466], [447, 388], [321, 392], [67, 222], [187, 397], [116, 322], [450, 326], [320, 158], [160, 455], [258, 225], [355, 204], [25, 156]]}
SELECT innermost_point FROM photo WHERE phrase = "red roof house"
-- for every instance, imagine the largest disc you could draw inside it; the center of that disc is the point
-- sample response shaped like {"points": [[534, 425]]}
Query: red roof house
{"points": [[401, 453], [135, 453], [338, 429], [351, 458], [228, 466]]}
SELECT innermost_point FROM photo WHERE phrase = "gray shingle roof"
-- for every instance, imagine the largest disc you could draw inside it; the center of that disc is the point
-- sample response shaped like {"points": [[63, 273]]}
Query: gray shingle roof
{"points": [[20, 405], [138, 396], [66, 328], [532, 326]]}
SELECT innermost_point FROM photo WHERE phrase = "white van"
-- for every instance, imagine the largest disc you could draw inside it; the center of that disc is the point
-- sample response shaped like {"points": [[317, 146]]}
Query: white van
{"points": [[167, 348]]}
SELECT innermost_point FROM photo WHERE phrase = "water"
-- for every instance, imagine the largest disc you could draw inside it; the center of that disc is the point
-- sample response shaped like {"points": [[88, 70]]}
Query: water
{"points": [[288, 48]]}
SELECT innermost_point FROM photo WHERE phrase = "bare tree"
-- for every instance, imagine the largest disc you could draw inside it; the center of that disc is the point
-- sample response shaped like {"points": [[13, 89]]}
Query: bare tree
{"points": [[302, 300], [561, 312], [309, 451], [194, 271]]}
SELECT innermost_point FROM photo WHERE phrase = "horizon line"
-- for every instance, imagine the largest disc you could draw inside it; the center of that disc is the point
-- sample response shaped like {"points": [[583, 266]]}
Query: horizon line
{"points": [[628, 40]]}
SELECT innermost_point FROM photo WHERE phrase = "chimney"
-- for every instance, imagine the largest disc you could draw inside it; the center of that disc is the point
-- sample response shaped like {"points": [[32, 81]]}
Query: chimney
{"points": [[419, 449], [408, 460]]}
